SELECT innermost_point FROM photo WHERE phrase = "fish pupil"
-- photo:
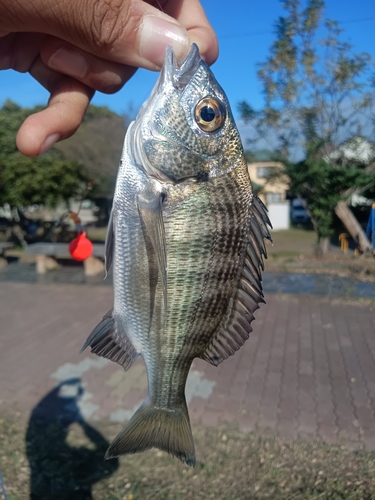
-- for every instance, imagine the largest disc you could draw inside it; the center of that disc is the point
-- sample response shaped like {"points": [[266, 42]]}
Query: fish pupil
{"points": [[207, 114]]}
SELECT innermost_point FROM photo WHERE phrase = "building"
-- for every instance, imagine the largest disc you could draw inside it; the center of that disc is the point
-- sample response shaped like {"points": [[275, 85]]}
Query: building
{"points": [[272, 190], [269, 188]]}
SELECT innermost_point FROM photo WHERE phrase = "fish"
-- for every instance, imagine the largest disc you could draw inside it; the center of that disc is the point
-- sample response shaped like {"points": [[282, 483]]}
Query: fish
{"points": [[186, 241]]}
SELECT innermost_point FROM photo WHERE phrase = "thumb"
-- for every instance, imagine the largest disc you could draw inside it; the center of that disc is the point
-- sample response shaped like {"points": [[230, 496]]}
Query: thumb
{"points": [[130, 32]]}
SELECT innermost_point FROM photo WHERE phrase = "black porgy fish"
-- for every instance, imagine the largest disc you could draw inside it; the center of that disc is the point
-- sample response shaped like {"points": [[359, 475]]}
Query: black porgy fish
{"points": [[186, 242]]}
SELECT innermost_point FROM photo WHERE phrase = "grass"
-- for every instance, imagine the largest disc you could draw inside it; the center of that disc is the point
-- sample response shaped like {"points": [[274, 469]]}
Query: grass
{"points": [[294, 240], [232, 465], [96, 234], [293, 250], [286, 240]]}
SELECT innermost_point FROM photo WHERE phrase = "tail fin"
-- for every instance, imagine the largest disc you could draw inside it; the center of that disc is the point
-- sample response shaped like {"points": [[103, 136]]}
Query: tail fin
{"points": [[151, 427]]}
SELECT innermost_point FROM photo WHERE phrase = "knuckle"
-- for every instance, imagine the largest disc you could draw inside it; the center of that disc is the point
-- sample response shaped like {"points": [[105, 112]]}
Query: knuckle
{"points": [[108, 20], [110, 88], [114, 80]]}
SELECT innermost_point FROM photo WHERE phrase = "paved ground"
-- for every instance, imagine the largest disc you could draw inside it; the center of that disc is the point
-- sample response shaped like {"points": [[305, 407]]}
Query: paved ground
{"points": [[327, 285], [308, 368]]}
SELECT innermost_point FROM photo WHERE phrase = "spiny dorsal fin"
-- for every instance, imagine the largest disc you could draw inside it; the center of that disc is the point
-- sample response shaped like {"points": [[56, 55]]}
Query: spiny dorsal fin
{"points": [[152, 215], [232, 335], [106, 341]]}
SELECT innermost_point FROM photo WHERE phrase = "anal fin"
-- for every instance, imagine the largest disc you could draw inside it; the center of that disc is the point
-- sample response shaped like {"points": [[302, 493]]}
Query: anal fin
{"points": [[106, 341]]}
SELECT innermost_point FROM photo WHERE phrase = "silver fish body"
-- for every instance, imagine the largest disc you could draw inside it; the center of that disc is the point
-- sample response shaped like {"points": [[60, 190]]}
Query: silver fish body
{"points": [[186, 241]]}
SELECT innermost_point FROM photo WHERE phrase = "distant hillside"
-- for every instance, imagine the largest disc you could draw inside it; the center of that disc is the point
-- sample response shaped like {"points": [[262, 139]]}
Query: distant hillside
{"points": [[97, 145]]}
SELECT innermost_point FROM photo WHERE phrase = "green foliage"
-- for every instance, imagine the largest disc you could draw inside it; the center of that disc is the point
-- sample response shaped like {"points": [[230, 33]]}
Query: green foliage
{"points": [[95, 112], [322, 184], [47, 179], [11, 116], [247, 112], [91, 155]]}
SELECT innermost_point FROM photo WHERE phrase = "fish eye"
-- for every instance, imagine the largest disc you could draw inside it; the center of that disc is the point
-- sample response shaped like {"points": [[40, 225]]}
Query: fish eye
{"points": [[209, 114]]}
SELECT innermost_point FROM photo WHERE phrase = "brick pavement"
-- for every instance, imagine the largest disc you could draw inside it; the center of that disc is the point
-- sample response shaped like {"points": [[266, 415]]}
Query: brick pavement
{"points": [[308, 368]]}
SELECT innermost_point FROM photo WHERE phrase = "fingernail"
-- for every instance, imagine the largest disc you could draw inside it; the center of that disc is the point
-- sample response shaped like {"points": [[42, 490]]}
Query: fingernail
{"points": [[69, 62], [157, 34], [50, 141]]}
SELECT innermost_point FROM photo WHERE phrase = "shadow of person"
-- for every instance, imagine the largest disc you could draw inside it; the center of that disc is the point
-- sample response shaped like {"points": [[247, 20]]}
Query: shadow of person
{"points": [[59, 469]]}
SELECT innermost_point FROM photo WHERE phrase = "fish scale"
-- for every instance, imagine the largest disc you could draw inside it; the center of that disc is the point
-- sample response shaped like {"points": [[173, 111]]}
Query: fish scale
{"points": [[185, 239], [187, 269], [187, 275], [225, 254]]}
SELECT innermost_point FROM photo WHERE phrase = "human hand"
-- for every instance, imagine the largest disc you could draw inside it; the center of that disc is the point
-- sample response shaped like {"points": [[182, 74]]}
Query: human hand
{"points": [[76, 47]]}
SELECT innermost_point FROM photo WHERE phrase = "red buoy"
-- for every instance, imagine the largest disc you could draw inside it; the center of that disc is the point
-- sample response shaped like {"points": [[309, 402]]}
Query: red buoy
{"points": [[81, 247]]}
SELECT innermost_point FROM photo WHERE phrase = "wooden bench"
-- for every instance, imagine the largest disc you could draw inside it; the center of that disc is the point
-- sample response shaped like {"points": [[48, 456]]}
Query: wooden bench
{"points": [[4, 245], [47, 254]]}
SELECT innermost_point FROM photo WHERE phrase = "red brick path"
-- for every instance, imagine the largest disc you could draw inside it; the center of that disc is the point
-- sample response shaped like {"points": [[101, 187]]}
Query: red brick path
{"points": [[308, 369]]}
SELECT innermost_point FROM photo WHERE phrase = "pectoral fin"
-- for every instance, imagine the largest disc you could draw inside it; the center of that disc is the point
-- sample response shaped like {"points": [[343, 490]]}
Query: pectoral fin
{"points": [[152, 215], [108, 246], [107, 341]]}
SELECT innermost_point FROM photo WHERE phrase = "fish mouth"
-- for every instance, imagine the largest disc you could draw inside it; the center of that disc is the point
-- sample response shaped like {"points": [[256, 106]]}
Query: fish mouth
{"points": [[181, 75]]}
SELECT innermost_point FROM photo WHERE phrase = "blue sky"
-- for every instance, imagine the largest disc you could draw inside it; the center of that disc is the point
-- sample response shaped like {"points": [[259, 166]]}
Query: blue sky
{"points": [[245, 32]]}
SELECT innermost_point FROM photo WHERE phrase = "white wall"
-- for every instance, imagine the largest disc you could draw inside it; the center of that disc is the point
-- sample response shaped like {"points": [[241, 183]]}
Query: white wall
{"points": [[279, 214]]}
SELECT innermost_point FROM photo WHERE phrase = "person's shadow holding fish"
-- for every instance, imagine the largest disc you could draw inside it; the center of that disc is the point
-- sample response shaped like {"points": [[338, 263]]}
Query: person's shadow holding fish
{"points": [[60, 470]]}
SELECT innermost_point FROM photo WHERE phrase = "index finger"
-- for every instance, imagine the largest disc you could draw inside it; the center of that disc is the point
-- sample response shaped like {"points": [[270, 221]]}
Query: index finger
{"points": [[190, 14]]}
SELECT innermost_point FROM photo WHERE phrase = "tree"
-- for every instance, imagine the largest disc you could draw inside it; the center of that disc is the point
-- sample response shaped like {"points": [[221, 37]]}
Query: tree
{"points": [[318, 94], [322, 186], [90, 157], [47, 179], [97, 146]]}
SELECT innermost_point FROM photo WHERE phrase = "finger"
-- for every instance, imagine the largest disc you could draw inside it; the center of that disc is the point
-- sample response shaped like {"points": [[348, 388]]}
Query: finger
{"points": [[66, 108], [190, 14], [18, 51], [130, 32], [95, 72]]}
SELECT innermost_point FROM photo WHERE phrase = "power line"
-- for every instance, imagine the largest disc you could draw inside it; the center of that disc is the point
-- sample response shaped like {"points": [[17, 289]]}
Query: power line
{"points": [[363, 19], [269, 32]]}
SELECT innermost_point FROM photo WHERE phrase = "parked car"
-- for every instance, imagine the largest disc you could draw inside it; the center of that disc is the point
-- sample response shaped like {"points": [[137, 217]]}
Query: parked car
{"points": [[298, 212]]}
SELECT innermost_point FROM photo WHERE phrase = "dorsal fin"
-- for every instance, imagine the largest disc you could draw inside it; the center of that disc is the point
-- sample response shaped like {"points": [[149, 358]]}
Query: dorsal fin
{"points": [[260, 214], [236, 330]]}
